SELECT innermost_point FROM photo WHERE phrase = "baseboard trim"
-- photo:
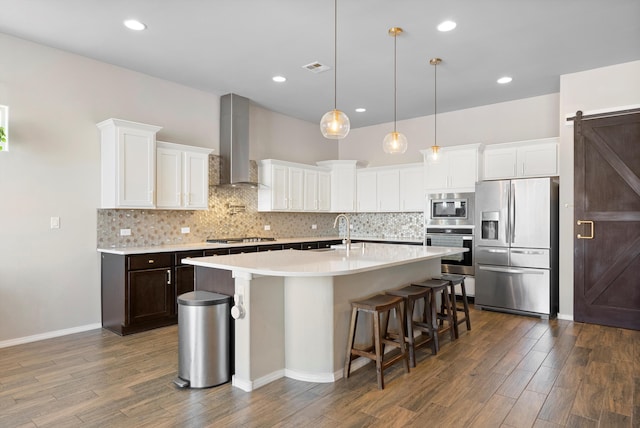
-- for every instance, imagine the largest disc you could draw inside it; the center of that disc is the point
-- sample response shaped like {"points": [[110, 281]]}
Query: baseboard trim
{"points": [[565, 317], [48, 335]]}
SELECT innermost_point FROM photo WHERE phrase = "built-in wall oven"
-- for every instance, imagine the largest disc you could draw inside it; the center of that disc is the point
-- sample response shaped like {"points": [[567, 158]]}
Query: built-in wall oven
{"points": [[453, 237], [449, 222]]}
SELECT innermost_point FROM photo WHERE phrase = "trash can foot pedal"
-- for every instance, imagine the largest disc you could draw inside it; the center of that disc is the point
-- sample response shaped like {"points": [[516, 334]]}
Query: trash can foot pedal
{"points": [[181, 383]]}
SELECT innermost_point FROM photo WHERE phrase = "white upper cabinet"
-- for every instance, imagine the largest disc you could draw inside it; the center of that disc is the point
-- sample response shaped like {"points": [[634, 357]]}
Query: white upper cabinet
{"points": [[317, 190], [412, 192], [182, 176], [531, 158], [288, 186], [397, 188], [454, 171], [343, 184], [128, 164]]}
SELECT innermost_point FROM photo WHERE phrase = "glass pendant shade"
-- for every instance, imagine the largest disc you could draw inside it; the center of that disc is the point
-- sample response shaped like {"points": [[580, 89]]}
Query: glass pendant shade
{"points": [[335, 125], [435, 150], [394, 143]]}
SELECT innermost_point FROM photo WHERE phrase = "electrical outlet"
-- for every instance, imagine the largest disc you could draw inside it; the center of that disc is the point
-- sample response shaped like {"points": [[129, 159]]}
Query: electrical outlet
{"points": [[314, 226], [55, 222], [185, 230], [267, 227], [125, 232]]}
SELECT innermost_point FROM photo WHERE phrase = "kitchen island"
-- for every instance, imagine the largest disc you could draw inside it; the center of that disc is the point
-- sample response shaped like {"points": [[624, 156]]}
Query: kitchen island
{"points": [[296, 304]]}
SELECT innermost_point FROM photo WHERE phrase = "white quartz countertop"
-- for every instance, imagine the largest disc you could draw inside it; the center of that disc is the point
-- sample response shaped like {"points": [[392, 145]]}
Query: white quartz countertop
{"points": [[206, 246], [309, 263]]}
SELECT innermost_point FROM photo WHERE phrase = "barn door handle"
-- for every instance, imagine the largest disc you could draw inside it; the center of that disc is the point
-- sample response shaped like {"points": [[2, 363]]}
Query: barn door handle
{"points": [[590, 223]]}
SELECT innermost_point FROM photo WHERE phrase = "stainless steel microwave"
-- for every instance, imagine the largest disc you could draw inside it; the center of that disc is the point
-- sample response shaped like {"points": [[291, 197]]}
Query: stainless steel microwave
{"points": [[450, 209]]}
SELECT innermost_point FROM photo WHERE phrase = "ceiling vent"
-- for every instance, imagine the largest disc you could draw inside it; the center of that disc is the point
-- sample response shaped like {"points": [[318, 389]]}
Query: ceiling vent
{"points": [[316, 67]]}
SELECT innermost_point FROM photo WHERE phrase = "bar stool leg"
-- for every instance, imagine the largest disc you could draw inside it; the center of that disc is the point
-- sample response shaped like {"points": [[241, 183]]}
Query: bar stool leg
{"points": [[352, 334], [377, 339], [450, 319], [410, 307], [434, 320], [403, 346], [465, 304]]}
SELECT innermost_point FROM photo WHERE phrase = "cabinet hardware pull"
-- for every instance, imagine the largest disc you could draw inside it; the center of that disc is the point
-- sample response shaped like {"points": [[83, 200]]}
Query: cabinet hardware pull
{"points": [[590, 223], [168, 276], [151, 261]]}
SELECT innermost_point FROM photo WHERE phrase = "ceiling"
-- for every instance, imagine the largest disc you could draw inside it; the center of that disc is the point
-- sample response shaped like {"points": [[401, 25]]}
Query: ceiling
{"points": [[237, 46]]}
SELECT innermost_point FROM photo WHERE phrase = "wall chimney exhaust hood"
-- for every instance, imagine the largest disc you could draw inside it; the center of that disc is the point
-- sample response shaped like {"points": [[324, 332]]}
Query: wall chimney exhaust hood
{"points": [[235, 168]]}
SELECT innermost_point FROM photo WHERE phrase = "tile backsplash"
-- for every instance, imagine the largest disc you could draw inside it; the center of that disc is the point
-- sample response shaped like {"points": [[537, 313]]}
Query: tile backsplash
{"points": [[233, 213]]}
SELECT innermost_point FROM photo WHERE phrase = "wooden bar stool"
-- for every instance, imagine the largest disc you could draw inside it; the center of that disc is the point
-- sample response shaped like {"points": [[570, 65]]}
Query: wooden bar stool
{"points": [[377, 306], [453, 281], [410, 295], [436, 286]]}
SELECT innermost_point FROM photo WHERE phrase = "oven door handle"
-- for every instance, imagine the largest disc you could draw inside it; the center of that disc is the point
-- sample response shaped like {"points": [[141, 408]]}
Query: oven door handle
{"points": [[494, 251]]}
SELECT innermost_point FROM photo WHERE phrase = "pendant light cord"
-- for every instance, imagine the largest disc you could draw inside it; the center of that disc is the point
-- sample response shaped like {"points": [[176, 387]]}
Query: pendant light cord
{"points": [[435, 104], [395, 81], [335, 54]]}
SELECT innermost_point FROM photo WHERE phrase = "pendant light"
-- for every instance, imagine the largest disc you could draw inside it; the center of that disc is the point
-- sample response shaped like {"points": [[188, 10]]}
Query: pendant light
{"points": [[435, 149], [395, 142], [335, 124]]}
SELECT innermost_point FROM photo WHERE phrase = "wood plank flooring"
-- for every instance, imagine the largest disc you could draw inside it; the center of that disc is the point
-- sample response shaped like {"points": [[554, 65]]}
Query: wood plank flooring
{"points": [[509, 371]]}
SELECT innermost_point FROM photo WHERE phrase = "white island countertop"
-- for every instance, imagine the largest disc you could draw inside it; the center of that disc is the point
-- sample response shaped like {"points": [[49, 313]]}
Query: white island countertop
{"points": [[293, 306], [362, 257]]}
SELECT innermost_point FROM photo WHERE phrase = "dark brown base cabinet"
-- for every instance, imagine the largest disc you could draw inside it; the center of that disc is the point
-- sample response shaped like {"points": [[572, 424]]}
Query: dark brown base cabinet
{"points": [[140, 291]]}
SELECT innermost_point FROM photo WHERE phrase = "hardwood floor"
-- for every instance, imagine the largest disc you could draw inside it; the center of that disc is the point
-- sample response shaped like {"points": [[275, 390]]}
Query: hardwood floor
{"points": [[509, 371]]}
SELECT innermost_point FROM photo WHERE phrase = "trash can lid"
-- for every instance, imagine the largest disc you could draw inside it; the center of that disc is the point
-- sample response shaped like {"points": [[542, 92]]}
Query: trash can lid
{"points": [[202, 298]]}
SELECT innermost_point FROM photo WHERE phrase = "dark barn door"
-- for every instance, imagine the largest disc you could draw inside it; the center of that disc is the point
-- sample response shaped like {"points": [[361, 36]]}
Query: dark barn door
{"points": [[607, 220]]}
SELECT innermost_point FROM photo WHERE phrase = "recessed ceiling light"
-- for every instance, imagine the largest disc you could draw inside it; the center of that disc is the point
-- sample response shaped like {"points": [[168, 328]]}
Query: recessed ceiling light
{"points": [[279, 79], [134, 24], [446, 26], [505, 79], [361, 109]]}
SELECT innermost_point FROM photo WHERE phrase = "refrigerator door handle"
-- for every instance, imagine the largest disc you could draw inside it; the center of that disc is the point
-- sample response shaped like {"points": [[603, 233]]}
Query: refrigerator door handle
{"points": [[511, 270], [496, 251], [512, 213]]}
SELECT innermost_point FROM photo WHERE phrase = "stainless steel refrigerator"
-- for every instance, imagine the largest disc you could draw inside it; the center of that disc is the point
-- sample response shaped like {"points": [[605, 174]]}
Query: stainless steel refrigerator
{"points": [[516, 246]]}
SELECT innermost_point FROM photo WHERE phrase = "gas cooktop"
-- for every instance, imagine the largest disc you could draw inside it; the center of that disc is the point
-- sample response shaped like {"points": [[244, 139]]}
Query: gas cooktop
{"points": [[239, 240]]}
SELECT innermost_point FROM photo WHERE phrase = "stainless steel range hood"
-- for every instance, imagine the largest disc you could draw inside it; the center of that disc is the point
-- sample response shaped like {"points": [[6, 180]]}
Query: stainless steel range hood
{"points": [[235, 167]]}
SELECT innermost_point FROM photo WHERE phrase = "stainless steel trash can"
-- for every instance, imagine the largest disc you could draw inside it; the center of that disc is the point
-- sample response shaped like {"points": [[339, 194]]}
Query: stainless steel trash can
{"points": [[203, 339]]}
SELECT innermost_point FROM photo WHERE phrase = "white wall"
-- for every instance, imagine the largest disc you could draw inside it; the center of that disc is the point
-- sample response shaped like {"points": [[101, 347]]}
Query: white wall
{"points": [[607, 88], [524, 119], [50, 279], [276, 136]]}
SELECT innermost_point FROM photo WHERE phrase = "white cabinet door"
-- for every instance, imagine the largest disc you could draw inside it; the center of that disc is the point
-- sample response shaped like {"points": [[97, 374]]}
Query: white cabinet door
{"points": [[279, 187], [531, 158], [388, 190], [437, 172], [499, 163], [324, 191], [463, 169], [310, 190], [538, 160], [128, 164], [412, 192], [296, 189], [196, 180], [343, 189], [182, 176], [455, 170], [169, 178], [367, 191]]}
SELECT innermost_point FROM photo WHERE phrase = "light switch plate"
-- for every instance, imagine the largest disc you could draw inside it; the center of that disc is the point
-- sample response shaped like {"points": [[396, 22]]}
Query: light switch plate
{"points": [[185, 230], [125, 232], [267, 227], [55, 222], [314, 226]]}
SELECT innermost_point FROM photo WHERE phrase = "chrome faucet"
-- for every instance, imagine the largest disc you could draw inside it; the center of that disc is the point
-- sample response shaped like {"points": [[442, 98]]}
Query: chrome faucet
{"points": [[346, 241]]}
